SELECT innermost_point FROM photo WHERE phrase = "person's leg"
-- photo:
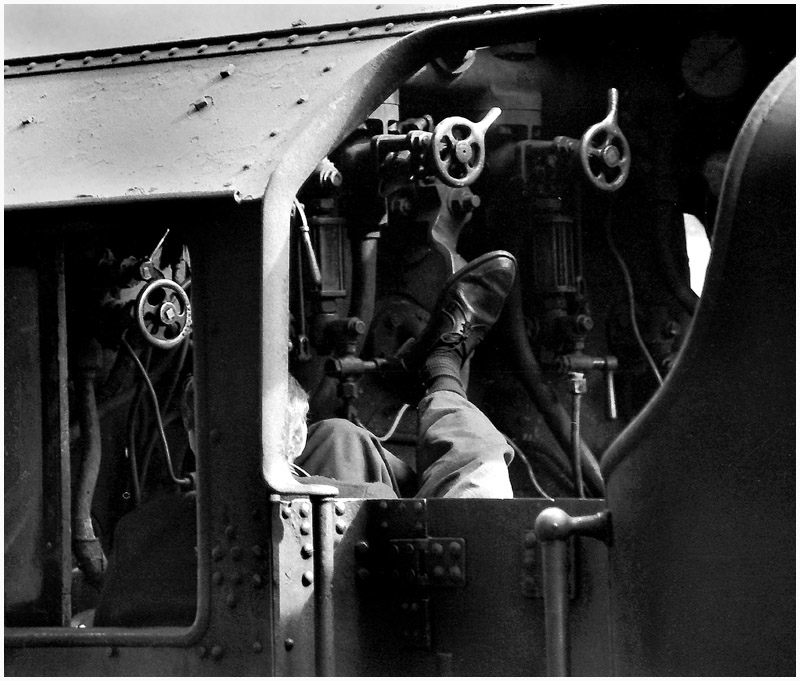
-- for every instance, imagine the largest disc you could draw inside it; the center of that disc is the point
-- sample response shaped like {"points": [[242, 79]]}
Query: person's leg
{"points": [[344, 451], [461, 453]]}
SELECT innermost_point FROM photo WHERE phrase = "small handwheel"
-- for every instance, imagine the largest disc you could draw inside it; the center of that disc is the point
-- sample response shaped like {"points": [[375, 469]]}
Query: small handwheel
{"points": [[604, 151], [458, 149], [163, 313]]}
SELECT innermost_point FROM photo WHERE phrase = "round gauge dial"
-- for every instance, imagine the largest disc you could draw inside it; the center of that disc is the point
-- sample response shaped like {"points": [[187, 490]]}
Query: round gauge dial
{"points": [[714, 65]]}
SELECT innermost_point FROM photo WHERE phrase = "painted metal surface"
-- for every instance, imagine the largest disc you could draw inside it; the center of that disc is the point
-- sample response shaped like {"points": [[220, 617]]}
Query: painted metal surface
{"points": [[488, 626], [199, 117], [701, 485]]}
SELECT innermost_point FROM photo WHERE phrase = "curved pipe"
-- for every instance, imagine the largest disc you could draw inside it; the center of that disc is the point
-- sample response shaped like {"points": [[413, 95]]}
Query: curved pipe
{"points": [[365, 266], [86, 546], [544, 398]]}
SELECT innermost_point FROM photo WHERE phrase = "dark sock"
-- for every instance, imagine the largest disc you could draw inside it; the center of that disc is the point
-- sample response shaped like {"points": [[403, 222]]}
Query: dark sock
{"points": [[442, 371]]}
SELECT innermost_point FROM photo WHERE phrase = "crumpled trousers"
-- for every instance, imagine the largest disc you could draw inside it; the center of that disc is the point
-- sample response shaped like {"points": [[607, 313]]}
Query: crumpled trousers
{"points": [[459, 453]]}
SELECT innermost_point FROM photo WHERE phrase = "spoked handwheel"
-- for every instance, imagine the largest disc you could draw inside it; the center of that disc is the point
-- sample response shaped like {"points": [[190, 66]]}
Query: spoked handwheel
{"points": [[163, 313]]}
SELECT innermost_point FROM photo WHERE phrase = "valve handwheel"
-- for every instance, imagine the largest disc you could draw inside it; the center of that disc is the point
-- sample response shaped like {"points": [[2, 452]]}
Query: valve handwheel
{"points": [[163, 313], [458, 148], [604, 151]]}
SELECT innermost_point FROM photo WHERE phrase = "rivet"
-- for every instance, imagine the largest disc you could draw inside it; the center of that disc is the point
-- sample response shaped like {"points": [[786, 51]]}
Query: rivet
{"points": [[201, 651], [437, 549], [111, 652], [404, 606], [353, 30], [217, 578], [236, 577], [292, 38], [285, 512], [230, 531], [438, 571], [452, 18], [305, 50], [394, 550], [455, 548], [363, 574], [227, 71], [409, 575], [323, 34], [414, 607], [216, 652], [144, 54], [307, 550], [215, 435], [327, 67], [172, 51], [304, 510], [419, 506], [202, 49], [257, 580], [31, 66], [273, 133], [338, 508], [6, 67], [419, 526], [233, 44], [231, 600], [455, 571], [87, 60], [406, 633], [262, 42], [307, 578], [530, 539], [217, 552], [116, 57], [288, 643], [305, 528], [383, 506], [340, 527], [488, 11], [302, 99], [60, 63], [408, 548], [388, 27], [362, 548], [384, 525], [236, 552], [529, 558], [257, 647], [258, 552]]}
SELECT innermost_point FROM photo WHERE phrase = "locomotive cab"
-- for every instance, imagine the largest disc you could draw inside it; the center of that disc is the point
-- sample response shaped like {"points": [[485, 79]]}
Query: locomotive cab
{"points": [[189, 224]]}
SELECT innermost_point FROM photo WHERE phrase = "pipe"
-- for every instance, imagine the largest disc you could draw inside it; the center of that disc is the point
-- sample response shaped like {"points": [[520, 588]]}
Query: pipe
{"points": [[324, 649], [364, 286], [554, 576], [543, 397], [86, 546]]}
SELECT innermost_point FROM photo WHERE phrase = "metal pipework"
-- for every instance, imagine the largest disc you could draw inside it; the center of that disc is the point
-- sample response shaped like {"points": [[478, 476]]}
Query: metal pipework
{"points": [[88, 551], [324, 649], [578, 388], [578, 362], [553, 527]]}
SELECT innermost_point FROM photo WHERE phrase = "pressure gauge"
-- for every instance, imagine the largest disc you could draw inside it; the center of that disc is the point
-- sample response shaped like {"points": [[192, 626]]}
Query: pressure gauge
{"points": [[714, 65]]}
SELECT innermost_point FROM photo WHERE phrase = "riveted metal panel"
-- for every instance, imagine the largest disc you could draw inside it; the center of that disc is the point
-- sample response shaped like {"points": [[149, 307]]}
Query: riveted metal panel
{"points": [[167, 127], [489, 626]]}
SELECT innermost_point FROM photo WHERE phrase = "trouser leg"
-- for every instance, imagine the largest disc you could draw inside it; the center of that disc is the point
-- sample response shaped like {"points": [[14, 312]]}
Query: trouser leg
{"points": [[343, 451], [461, 453]]}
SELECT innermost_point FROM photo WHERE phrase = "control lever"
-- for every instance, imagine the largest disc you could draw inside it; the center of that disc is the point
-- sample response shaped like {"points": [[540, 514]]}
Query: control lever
{"points": [[604, 152], [458, 148]]}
